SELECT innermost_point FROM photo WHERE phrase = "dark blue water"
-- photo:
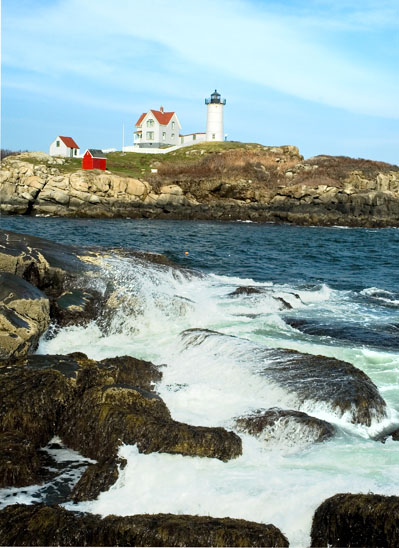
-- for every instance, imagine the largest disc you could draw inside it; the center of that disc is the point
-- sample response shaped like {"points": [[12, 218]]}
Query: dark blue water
{"points": [[350, 259]]}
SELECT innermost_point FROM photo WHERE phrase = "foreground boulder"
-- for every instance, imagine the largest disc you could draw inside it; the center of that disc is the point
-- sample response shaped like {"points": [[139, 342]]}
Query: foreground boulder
{"points": [[357, 520], [24, 316], [287, 426], [338, 385], [39, 525], [104, 416], [94, 407]]}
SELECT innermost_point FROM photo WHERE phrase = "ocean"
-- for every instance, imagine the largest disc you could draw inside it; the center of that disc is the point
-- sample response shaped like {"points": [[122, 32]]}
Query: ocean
{"points": [[330, 292]]}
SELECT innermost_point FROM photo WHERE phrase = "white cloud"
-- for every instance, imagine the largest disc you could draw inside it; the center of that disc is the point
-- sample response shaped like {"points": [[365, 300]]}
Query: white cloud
{"points": [[131, 44]]}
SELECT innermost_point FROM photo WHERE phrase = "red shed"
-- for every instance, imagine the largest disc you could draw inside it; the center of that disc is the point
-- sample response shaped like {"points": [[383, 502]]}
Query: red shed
{"points": [[94, 159]]}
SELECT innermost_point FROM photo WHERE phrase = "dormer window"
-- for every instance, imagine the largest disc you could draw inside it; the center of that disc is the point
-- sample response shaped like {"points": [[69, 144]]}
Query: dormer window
{"points": [[150, 122]]}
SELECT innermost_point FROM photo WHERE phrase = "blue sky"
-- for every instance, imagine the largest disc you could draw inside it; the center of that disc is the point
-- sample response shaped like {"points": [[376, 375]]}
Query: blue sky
{"points": [[319, 74]]}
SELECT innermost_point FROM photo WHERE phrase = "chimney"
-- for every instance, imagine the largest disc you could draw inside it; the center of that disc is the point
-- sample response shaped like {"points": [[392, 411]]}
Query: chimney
{"points": [[161, 109]]}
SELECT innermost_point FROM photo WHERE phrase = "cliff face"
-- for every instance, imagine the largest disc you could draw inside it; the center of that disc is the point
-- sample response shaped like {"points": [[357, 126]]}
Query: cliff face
{"points": [[247, 182]]}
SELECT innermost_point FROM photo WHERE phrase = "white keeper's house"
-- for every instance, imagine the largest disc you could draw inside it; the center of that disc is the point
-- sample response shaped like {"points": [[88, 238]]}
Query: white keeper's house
{"points": [[157, 128], [64, 146]]}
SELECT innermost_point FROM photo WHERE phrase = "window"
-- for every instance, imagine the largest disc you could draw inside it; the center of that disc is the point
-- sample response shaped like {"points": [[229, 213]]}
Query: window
{"points": [[213, 135], [194, 137], [57, 143], [150, 135], [173, 125], [150, 123], [173, 135], [164, 136], [75, 151]]}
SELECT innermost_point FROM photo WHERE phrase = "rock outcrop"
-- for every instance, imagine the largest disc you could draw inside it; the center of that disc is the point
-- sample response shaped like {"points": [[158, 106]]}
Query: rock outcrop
{"points": [[94, 408], [40, 525], [357, 520], [24, 316], [272, 184]]}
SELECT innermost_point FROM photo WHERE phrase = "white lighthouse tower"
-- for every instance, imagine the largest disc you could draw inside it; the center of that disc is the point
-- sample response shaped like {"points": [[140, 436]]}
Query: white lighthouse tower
{"points": [[214, 118]]}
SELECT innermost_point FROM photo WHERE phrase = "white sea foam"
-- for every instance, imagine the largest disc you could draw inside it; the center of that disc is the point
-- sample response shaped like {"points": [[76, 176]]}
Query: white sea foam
{"points": [[218, 380]]}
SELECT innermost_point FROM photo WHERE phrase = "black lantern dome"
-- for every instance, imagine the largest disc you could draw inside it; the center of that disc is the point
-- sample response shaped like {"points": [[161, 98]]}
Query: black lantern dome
{"points": [[215, 99]]}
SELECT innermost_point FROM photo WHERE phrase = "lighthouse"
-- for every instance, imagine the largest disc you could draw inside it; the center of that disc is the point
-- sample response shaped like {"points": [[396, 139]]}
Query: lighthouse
{"points": [[214, 118]]}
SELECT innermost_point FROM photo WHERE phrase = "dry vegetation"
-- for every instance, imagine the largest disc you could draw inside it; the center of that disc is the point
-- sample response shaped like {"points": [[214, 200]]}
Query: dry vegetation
{"points": [[249, 164], [333, 170]]}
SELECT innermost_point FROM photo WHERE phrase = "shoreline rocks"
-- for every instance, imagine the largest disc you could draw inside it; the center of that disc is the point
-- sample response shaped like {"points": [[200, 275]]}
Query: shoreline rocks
{"points": [[272, 184], [40, 525]]}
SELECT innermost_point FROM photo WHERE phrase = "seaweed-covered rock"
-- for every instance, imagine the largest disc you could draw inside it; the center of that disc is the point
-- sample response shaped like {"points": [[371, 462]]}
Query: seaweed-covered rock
{"points": [[357, 520], [308, 378], [293, 427], [129, 370], [103, 417], [39, 525], [24, 316], [97, 478], [395, 435], [31, 401], [19, 461]]}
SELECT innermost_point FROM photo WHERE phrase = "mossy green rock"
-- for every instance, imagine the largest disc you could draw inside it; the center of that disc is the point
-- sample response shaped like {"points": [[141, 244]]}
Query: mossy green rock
{"points": [[357, 521], [39, 525]]}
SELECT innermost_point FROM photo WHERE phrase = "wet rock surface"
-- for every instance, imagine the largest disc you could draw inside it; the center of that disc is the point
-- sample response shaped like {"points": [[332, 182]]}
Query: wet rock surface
{"points": [[357, 520], [338, 384], [290, 426], [97, 478], [41, 525], [94, 409], [24, 316]]}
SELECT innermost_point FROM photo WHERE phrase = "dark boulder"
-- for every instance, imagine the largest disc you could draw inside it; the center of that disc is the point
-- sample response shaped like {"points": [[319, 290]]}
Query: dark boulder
{"points": [[24, 316], [246, 290], [292, 426], [40, 525], [97, 478], [319, 379], [357, 520], [103, 417], [395, 435]]}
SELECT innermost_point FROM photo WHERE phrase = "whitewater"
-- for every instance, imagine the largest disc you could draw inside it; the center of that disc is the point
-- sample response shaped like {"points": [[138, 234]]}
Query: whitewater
{"points": [[335, 294]]}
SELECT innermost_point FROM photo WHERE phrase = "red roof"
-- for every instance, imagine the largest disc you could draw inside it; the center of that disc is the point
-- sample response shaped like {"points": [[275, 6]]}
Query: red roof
{"points": [[69, 142], [138, 123], [162, 117]]}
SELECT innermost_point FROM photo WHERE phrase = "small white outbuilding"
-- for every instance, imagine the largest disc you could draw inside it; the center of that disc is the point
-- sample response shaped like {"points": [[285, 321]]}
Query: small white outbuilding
{"points": [[64, 146]]}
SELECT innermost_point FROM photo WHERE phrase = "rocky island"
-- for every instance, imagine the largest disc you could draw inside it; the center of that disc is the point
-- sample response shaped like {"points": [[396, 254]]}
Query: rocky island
{"points": [[219, 181]]}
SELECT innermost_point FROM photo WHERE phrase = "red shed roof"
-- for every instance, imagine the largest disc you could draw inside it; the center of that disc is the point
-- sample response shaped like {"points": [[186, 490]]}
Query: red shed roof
{"points": [[162, 117], [69, 142]]}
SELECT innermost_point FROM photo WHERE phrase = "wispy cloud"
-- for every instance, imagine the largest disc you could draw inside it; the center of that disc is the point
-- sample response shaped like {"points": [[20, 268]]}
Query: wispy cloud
{"points": [[161, 43]]}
